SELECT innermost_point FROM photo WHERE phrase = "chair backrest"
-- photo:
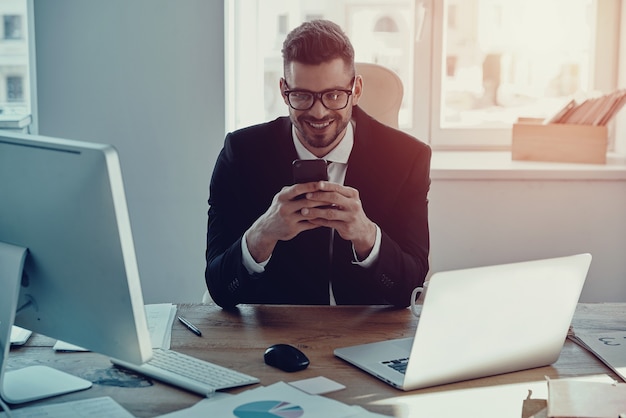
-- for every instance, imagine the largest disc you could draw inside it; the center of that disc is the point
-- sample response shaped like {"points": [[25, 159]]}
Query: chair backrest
{"points": [[382, 92]]}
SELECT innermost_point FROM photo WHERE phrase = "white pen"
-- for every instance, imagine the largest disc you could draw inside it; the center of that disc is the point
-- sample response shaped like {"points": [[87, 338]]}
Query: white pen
{"points": [[191, 327]]}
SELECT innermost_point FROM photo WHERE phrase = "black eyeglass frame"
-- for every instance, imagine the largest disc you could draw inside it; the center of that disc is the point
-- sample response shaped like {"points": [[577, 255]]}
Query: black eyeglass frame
{"points": [[319, 95]]}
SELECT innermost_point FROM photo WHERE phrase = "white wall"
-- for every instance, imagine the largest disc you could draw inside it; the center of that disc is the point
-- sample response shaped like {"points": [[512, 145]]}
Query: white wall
{"points": [[146, 76], [478, 222]]}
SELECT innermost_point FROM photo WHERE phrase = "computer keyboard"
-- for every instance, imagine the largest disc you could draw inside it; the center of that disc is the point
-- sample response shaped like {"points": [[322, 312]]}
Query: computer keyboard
{"points": [[398, 364], [187, 372]]}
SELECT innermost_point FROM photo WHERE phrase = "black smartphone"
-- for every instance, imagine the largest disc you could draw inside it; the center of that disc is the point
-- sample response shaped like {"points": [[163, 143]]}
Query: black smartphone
{"points": [[305, 171]]}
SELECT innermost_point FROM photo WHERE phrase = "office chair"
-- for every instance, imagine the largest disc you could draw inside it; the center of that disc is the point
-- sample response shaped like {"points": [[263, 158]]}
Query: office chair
{"points": [[206, 297], [382, 92]]}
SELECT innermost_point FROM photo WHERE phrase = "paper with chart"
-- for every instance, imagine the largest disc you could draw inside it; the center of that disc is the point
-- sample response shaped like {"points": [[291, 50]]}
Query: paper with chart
{"points": [[279, 400], [610, 347]]}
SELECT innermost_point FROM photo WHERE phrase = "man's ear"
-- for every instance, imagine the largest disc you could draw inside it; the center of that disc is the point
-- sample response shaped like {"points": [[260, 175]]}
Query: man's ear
{"points": [[283, 87], [358, 89]]}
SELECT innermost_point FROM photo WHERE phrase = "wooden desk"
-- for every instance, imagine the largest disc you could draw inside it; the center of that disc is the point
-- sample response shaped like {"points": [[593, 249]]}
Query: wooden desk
{"points": [[239, 339]]}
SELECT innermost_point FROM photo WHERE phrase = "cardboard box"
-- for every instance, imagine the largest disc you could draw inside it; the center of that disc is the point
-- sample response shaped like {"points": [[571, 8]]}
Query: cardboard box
{"points": [[558, 142]]}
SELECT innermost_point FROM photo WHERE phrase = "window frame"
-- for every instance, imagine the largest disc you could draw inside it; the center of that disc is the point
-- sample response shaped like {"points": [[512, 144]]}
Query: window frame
{"points": [[604, 68]]}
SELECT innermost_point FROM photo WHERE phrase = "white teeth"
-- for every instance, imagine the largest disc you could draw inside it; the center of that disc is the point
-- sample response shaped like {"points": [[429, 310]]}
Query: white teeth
{"points": [[319, 125]]}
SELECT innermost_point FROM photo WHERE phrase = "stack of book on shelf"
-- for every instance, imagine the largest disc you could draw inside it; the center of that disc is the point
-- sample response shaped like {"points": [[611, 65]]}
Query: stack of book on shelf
{"points": [[596, 111], [17, 123], [577, 133]]}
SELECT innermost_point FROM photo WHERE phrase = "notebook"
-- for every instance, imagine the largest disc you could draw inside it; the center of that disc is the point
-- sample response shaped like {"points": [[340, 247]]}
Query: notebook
{"points": [[480, 322]]}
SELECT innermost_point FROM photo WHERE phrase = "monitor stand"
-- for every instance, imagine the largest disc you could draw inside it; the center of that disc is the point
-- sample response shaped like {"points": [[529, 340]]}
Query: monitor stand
{"points": [[33, 382]]}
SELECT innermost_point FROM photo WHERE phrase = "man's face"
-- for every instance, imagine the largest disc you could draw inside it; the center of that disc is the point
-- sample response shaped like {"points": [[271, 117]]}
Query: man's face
{"points": [[320, 129]]}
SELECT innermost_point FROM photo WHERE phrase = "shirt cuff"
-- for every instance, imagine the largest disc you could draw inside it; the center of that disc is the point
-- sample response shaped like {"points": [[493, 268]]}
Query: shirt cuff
{"points": [[370, 259], [248, 261]]}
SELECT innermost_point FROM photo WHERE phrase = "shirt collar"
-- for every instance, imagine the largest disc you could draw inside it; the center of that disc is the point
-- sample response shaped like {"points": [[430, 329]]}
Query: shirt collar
{"points": [[339, 154]]}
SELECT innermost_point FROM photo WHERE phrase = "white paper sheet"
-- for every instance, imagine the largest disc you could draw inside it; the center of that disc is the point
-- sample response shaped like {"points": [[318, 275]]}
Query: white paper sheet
{"points": [[160, 318], [610, 347], [279, 399], [102, 407], [19, 335]]}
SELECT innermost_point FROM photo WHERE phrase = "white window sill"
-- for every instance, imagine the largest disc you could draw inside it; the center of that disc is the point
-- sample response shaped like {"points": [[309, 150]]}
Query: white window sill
{"points": [[498, 165]]}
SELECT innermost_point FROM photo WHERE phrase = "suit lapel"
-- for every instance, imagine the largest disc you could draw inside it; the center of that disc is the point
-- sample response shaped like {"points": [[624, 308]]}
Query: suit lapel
{"points": [[363, 169]]}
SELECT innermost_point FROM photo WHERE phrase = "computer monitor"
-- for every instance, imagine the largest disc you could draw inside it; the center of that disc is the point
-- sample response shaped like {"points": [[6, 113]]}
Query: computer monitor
{"points": [[67, 260]]}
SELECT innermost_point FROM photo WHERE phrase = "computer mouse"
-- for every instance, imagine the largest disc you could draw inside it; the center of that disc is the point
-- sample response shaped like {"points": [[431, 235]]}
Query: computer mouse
{"points": [[286, 358]]}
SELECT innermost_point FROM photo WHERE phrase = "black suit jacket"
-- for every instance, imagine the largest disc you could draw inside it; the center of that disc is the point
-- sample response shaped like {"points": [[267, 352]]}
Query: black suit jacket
{"points": [[391, 171]]}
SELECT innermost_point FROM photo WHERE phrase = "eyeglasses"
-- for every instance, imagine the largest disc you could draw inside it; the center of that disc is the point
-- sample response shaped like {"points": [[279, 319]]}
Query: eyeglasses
{"points": [[332, 99]]}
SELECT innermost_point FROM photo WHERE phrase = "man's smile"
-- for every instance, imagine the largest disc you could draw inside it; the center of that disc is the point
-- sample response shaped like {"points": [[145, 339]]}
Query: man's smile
{"points": [[319, 125]]}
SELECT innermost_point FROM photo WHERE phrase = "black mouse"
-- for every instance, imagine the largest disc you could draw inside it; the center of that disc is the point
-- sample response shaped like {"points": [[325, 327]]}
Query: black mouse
{"points": [[286, 357]]}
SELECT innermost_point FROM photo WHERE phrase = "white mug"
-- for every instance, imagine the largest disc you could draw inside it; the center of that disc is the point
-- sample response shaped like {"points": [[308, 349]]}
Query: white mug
{"points": [[418, 293]]}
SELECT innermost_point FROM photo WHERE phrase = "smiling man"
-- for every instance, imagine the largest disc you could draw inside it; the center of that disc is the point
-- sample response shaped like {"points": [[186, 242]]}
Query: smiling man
{"points": [[361, 237]]}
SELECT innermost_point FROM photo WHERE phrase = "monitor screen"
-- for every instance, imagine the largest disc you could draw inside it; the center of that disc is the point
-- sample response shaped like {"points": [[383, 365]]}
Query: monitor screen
{"points": [[64, 202]]}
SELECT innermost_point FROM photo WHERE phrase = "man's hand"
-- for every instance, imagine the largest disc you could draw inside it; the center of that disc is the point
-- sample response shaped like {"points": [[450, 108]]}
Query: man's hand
{"points": [[283, 220], [324, 204], [339, 207]]}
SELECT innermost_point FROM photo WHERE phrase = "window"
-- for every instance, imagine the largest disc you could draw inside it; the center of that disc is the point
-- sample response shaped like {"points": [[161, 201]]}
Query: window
{"points": [[15, 89], [13, 27], [14, 61], [497, 60], [470, 68], [256, 30]]}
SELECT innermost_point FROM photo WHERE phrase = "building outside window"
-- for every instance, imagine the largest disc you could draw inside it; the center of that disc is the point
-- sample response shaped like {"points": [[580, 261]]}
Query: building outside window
{"points": [[14, 62], [15, 89], [13, 27]]}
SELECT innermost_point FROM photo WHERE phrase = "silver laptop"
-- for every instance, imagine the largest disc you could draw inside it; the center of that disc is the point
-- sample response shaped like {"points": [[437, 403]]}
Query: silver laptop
{"points": [[480, 322]]}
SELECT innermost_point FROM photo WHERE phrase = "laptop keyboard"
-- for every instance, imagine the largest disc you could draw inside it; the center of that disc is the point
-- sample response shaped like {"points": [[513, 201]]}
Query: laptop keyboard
{"points": [[398, 364]]}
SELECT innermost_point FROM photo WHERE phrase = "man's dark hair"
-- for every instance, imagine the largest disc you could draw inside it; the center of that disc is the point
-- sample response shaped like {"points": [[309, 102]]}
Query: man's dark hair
{"points": [[317, 42]]}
